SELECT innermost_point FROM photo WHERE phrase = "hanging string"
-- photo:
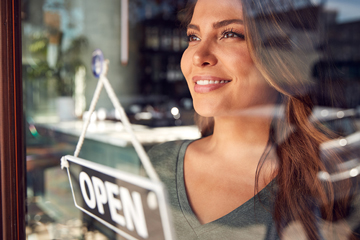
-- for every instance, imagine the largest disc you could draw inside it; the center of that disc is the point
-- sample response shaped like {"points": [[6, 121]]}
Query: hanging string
{"points": [[94, 100], [103, 81]]}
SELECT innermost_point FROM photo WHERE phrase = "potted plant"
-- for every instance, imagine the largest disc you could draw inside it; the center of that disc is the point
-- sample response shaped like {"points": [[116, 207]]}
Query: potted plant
{"points": [[53, 65]]}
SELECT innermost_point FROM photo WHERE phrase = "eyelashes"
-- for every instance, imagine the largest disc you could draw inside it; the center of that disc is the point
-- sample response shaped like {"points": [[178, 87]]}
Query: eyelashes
{"points": [[227, 33], [191, 36]]}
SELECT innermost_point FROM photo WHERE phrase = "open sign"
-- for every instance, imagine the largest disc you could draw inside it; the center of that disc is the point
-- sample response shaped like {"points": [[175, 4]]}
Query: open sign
{"points": [[133, 206]]}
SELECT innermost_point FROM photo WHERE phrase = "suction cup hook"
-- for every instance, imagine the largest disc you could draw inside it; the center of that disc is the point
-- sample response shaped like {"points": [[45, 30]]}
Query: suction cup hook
{"points": [[97, 63]]}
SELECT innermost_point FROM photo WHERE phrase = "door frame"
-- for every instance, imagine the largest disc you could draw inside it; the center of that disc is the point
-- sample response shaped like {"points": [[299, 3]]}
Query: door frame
{"points": [[12, 148]]}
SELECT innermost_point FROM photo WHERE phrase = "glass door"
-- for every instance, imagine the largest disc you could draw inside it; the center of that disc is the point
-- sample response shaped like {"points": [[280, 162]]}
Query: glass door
{"points": [[47, 85], [58, 40]]}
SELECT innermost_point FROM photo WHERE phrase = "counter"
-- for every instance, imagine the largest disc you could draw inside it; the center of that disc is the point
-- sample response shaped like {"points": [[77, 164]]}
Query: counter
{"points": [[113, 133]]}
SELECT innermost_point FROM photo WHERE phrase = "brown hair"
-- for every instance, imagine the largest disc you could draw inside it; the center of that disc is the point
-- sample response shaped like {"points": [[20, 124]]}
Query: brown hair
{"points": [[300, 193]]}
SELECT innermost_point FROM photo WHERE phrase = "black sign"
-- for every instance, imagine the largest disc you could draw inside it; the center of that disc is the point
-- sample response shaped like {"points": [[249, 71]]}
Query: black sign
{"points": [[133, 206]]}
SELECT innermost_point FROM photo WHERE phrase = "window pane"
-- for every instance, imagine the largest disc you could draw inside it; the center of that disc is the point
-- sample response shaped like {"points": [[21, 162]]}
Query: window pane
{"points": [[58, 39], [285, 71]]}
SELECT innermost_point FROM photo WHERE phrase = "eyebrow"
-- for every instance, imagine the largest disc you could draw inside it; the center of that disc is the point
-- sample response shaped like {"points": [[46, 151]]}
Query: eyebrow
{"points": [[227, 22], [217, 25]]}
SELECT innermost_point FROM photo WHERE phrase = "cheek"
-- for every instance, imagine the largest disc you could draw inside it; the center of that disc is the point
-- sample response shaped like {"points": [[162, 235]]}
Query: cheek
{"points": [[238, 61], [185, 63], [242, 58], [186, 68], [249, 79]]}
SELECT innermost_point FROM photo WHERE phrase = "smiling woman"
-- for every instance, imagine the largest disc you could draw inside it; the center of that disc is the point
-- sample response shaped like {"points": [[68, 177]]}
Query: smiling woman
{"points": [[254, 173], [218, 52]]}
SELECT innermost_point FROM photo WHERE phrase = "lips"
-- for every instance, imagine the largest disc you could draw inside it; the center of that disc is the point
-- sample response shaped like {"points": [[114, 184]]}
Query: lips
{"points": [[205, 84]]}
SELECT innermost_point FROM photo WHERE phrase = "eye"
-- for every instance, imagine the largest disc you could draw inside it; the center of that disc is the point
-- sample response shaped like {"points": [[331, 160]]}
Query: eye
{"points": [[231, 34], [192, 38]]}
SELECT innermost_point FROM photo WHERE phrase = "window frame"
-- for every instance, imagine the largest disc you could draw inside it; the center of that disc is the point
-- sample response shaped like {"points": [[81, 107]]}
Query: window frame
{"points": [[12, 148]]}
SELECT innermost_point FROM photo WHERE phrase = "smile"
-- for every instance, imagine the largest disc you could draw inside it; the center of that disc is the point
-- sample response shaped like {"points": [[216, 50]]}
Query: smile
{"points": [[205, 86], [208, 82]]}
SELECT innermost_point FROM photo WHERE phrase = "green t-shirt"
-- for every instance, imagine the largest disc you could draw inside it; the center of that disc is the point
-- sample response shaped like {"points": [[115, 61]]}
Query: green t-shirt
{"points": [[252, 220]]}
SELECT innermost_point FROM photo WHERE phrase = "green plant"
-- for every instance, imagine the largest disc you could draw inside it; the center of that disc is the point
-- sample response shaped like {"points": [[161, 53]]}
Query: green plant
{"points": [[67, 63]]}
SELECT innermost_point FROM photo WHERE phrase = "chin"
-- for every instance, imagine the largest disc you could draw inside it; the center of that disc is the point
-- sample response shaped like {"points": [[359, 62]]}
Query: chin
{"points": [[205, 111]]}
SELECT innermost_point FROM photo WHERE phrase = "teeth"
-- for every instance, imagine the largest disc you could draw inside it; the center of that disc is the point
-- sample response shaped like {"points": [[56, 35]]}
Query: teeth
{"points": [[206, 82]]}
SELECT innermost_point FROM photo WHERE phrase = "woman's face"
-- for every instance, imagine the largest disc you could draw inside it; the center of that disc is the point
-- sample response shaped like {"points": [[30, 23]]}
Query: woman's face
{"points": [[219, 71]]}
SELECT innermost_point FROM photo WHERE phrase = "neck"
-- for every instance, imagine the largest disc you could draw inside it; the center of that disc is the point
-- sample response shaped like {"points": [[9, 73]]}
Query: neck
{"points": [[241, 137], [250, 127]]}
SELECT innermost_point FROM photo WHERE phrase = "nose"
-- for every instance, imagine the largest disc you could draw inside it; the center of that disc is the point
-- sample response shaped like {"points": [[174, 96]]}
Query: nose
{"points": [[204, 55]]}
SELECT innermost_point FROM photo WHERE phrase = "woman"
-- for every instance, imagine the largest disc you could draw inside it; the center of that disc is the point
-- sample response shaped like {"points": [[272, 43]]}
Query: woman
{"points": [[253, 175]]}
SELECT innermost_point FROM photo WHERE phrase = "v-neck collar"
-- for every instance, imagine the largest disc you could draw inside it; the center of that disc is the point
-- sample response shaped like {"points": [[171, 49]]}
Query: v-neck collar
{"points": [[224, 220]]}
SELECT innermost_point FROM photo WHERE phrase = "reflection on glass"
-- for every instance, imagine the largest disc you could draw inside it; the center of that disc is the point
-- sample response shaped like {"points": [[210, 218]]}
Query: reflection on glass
{"points": [[58, 39], [295, 47]]}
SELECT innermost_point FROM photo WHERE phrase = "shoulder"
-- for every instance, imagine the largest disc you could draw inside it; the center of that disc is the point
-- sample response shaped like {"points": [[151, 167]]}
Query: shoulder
{"points": [[164, 158], [163, 150], [166, 153]]}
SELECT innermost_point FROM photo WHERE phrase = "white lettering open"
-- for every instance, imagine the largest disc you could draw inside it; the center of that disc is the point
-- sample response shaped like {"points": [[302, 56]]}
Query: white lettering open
{"points": [[133, 212], [114, 203], [100, 193], [90, 200]]}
